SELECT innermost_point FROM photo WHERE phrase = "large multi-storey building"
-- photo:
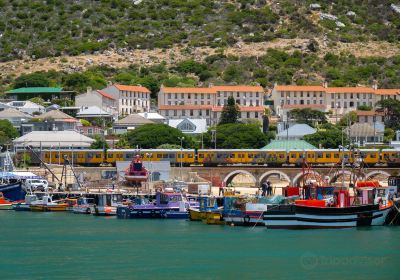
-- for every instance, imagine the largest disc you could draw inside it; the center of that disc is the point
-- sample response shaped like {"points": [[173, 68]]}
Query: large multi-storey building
{"points": [[207, 102], [338, 100], [130, 99]]}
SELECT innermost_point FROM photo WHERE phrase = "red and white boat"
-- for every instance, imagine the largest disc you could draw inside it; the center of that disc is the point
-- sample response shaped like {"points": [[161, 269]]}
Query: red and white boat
{"points": [[136, 172]]}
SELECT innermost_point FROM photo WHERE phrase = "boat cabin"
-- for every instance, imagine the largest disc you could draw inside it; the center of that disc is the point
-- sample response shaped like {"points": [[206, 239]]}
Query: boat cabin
{"points": [[371, 192], [172, 199], [318, 192], [394, 185], [208, 203], [108, 199]]}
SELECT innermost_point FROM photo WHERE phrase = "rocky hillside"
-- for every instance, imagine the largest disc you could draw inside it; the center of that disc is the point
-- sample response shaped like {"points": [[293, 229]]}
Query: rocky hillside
{"points": [[38, 29], [83, 43]]}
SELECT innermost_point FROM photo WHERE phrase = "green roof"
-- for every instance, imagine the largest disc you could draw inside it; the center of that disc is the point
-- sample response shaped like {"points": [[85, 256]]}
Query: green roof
{"points": [[289, 145], [36, 90]]}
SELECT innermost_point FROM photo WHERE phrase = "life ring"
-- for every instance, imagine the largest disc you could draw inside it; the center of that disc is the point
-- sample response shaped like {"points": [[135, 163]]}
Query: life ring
{"points": [[246, 219], [88, 211]]}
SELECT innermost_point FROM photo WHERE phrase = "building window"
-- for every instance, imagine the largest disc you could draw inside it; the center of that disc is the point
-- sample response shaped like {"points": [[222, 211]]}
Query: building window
{"points": [[308, 101], [351, 104], [207, 112], [248, 114], [191, 112], [315, 101], [282, 94], [345, 104], [301, 94], [257, 102], [256, 114], [257, 94], [332, 104], [175, 113]]}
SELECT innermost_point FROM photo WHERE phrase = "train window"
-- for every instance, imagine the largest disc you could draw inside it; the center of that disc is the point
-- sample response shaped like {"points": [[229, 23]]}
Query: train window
{"points": [[372, 155], [201, 155], [171, 156], [80, 155], [232, 156], [293, 156], [219, 156], [250, 155], [110, 155], [98, 155], [327, 155], [320, 155], [257, 156], [190, 155], [90, 155], [309, 155], [281, 155], [165, 155], [160, 156], [56, 156], [336, 155]]}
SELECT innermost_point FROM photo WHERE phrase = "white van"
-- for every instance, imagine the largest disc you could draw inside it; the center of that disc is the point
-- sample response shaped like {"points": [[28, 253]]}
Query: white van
{"points": [[37, 185]]}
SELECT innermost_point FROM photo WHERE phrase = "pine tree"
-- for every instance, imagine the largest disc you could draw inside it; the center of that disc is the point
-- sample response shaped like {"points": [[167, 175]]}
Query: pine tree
{"points": [[230, 112]]}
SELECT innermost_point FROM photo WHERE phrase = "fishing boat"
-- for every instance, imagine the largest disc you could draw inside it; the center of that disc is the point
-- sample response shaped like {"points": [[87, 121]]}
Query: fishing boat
{"points": [[208, 211], [26, 205], [12, 191], [47, 204], [136, 172], [105, 204], [334, 211], [84, 205], [4, 203], [168, 205]]}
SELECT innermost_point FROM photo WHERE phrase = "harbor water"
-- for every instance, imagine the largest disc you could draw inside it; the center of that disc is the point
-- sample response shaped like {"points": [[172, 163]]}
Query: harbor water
{"points": [[70, 246]]}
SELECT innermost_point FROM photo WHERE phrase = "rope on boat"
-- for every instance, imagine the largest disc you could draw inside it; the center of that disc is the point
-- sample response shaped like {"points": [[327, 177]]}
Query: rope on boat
{"points": [[262, 214]]}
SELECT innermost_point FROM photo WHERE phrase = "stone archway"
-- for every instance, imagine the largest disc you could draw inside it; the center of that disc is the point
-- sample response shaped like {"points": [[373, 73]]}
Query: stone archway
{"points": [[353, 176], [374, 173], [228, 178], [274, 172], [302, 174]]}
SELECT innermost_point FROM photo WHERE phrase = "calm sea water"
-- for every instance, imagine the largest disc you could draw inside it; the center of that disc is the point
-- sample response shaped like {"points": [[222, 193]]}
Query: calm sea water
{"points": [[68, 246]]}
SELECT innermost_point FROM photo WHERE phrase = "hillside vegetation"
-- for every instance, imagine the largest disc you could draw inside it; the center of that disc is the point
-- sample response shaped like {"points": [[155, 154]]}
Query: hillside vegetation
{"points": [[83, 43], [56, 27]]}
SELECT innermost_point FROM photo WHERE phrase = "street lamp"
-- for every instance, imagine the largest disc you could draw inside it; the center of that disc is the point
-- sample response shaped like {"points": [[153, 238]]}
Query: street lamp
{"points": [[181, 160]]}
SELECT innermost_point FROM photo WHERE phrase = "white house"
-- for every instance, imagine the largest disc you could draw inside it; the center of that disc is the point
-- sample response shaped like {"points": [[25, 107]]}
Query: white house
{"points": [[130, 99], [97, 98], [27, 107], [189, 126]]}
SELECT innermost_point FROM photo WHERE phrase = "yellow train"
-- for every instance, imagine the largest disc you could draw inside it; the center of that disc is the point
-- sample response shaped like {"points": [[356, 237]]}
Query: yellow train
{"points": [[211, 157]]}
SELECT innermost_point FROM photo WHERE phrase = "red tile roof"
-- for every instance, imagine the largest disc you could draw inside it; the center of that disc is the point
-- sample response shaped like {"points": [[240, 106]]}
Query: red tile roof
{"points": [[187, 90], [387, 91], [106, 95], [369, 113], [349, 90], [381, 91], [241, 88], [300, 88], [132, 88], [209, 107], [242, 109], [212, 89]]}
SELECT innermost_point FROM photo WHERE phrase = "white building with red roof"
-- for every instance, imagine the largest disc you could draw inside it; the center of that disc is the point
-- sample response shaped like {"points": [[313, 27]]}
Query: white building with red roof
{"points": [[97, 98], [207, 102], [130, 99]]}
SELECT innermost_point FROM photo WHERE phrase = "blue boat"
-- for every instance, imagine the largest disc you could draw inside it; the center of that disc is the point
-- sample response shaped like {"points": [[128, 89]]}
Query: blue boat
{"points": [[168, 205], [13, 191]]}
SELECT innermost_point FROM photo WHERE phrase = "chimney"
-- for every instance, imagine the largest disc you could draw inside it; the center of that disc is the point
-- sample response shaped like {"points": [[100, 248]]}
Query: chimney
{"points": [[325, 84], [375, 84], [89, 89], [210, 85]]}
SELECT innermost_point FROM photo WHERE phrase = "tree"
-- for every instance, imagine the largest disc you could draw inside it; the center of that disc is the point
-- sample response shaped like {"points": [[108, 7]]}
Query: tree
{"points": [[328, 139], [99, 143], [122, 142], [9, 130], [348, 119], [391, 109], [37, 100], [150, 136], [308, 116], [84, 122], [364, 108], [237, 136], [230, 112], [37, 79]]}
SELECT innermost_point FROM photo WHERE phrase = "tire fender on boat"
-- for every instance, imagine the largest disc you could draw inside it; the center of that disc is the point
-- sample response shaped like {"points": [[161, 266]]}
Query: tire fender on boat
{"points": [[88, 211], [246, 219]]}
